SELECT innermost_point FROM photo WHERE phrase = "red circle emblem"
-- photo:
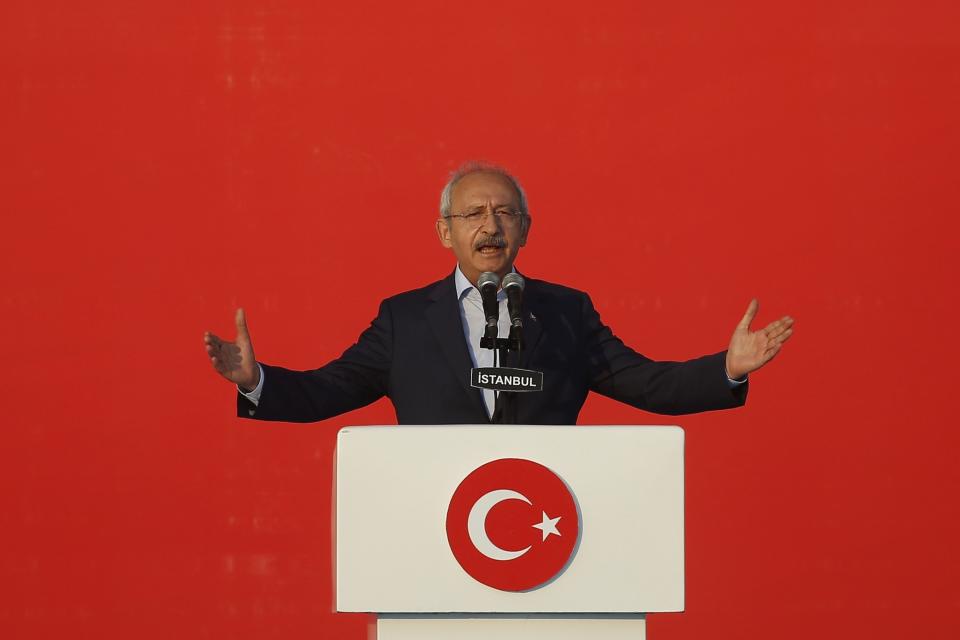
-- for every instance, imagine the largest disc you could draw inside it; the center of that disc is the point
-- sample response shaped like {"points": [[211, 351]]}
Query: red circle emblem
{"points": [[513, 524]]}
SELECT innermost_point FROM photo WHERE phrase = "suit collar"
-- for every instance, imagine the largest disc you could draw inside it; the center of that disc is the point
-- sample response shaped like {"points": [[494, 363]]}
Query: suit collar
{"points": [[443, 316], [462, 285]]}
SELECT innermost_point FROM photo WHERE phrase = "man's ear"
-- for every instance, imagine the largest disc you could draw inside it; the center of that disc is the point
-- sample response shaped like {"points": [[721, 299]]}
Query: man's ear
{"points": [[527, 221], [443, 232]]}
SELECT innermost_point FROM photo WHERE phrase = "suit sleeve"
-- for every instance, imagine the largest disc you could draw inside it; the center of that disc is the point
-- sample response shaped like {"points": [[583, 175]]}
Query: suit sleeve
{"points": [[673, 388], [355, 379]]}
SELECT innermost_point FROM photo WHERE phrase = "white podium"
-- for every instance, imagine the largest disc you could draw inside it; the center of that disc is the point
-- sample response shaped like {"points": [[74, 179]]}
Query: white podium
{"points": [[509, 531]]}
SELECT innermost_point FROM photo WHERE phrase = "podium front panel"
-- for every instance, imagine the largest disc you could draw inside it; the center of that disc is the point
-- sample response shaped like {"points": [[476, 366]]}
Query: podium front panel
{"points": [[397, 552]]}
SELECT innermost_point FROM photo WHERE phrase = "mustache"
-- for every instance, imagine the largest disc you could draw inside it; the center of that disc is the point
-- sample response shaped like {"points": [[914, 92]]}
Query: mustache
{"points": [[490, 241]]}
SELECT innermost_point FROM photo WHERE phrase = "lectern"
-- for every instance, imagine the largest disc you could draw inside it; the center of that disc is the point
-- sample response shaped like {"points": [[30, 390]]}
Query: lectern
{"points": [[480, 531]]}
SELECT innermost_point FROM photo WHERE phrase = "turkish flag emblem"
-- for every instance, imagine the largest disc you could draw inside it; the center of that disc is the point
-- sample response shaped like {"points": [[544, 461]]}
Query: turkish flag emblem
{"points": [[513, 524]]}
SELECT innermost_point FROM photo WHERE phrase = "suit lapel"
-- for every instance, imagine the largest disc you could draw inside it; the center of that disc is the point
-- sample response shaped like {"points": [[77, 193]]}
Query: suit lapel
{"points": [[443, 316], [532, 323]]}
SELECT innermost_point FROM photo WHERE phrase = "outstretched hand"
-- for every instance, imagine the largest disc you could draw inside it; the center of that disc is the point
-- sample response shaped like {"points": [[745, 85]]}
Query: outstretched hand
{"points": [[750, 350], [234, 360]]}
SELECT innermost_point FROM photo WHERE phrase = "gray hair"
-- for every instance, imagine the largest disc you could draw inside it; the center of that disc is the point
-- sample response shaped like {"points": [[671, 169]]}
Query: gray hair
{"points": [[479, 166]]}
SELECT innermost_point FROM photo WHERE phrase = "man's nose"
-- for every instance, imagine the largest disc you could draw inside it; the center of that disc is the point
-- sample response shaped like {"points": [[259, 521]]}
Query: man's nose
{"points": [[491, 222]]}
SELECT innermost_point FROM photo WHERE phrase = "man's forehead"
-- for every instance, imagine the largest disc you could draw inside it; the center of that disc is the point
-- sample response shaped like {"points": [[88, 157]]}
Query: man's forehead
{"points": [[483, 186]]}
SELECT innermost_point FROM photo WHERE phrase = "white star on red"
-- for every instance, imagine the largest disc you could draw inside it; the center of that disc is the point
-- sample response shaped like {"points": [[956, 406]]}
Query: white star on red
{"points": [[548, 526]]}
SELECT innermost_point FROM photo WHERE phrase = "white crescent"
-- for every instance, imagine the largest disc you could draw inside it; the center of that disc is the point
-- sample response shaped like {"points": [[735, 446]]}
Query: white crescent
{"points": [[477, 524]]}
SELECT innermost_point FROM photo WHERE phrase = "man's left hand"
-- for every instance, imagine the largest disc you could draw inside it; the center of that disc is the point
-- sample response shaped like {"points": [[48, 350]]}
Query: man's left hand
{"points": [[750, 350]]}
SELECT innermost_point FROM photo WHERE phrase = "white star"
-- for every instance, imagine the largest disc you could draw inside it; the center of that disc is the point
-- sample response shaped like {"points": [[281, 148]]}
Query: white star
{"points": [[548, 526]]}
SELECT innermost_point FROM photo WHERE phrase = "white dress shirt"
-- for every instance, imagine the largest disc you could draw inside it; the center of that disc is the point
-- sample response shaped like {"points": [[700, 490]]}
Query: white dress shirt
{"points": [[474, 322]]}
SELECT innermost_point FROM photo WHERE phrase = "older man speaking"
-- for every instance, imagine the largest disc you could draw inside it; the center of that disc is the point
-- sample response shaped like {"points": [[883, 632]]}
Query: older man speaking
{"points": [[421, 347]]}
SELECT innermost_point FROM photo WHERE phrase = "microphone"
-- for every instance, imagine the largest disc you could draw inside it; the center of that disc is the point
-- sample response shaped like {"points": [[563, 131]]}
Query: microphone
{"points": [[513, 286], [488, 283]]}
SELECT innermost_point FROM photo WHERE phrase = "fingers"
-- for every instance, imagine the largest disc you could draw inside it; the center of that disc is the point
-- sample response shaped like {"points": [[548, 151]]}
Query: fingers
{"points": [[773, 346], [779, 330], [212, 344], [223, 355], [771, 352], [214, 347], [752, 309], [779, 340], [232, 360], [226, 358]]}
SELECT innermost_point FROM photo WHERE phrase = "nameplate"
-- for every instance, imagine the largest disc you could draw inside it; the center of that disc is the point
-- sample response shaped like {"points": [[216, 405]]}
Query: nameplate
{"points": [[506, 379]]}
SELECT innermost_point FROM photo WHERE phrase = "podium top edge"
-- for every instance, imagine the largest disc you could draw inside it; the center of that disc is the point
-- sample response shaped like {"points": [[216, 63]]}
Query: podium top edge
{"points": [[491, 428]]}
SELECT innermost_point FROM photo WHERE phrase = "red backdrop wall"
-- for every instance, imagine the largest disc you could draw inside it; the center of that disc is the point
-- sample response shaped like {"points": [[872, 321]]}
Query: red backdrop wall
{"points": [[167, 162]]}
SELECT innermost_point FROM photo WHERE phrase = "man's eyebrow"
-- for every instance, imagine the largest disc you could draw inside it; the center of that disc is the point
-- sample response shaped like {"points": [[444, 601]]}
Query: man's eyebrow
{"points": [[495, 207]]}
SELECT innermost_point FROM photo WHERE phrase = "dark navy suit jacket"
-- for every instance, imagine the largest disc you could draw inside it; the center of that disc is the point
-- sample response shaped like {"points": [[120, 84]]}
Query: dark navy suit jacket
{"points": [[414, 352]]}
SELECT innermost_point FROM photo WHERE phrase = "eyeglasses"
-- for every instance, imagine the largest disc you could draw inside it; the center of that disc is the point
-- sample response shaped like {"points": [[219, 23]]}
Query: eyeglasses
{"points": [[504, 217]]}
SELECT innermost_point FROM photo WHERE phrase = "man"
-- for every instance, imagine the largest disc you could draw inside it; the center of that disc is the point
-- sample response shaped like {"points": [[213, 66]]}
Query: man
{"points": [[419, 349]]}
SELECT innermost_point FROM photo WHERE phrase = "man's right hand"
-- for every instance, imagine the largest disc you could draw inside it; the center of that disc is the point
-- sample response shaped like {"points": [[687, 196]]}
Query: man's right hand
{"points": [[234, 360]]}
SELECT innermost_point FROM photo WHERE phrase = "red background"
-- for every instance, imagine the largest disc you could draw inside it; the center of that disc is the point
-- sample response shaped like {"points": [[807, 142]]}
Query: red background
{"points": [[165, 162]]}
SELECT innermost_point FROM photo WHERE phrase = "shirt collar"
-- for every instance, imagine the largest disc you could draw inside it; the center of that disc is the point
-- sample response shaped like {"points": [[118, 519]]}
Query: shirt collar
{"points": [[463, 285]]}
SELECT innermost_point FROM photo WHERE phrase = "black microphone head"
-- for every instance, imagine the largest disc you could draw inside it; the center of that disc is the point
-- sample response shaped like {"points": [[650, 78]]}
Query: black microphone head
{"points": [[513, 280], [488, 278]]}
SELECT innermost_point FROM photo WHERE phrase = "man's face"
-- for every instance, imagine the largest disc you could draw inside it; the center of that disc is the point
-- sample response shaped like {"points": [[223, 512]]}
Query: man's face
{"points": [[493, 244]]}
